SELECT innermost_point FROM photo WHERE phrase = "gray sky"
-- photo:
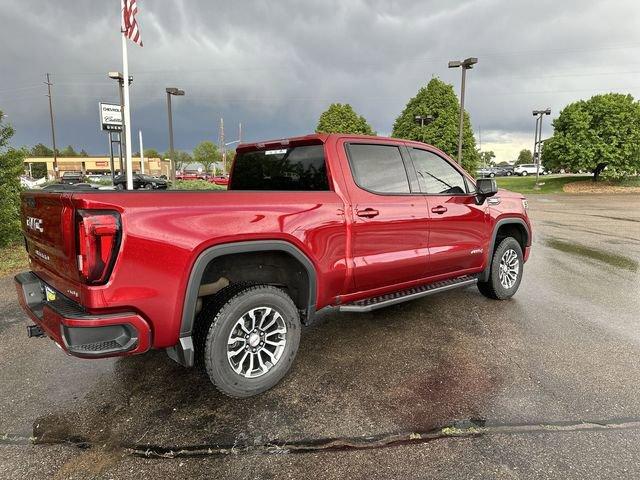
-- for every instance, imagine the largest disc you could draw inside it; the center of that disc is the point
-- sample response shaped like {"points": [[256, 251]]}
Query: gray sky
{"points": [[276, 65]]}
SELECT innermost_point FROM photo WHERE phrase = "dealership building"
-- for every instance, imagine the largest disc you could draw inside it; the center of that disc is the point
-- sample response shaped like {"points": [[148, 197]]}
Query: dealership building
{"points": [[89, 165]]}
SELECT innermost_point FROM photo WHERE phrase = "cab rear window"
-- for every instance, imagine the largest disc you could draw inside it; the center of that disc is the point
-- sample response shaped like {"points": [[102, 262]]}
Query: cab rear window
{"points": [[293, 168]]}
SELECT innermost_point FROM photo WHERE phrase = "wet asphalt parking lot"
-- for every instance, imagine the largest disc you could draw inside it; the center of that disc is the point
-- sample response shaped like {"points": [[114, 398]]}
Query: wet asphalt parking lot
{"points": [[545, 385]]}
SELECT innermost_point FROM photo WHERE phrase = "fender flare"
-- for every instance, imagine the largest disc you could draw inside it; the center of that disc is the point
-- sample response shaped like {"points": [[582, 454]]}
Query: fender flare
{"points": [[183, 352], [484, 275]]}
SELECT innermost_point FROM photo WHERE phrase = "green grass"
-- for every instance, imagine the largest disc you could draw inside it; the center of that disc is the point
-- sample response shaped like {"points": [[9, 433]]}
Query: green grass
{"points": [[13, 258], [554, 184], [627, 182], [196, 185], [548, 183]]}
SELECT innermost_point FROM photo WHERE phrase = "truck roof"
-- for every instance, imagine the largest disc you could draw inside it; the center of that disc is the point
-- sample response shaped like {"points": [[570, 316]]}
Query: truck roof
{"points": [[306, 139]]}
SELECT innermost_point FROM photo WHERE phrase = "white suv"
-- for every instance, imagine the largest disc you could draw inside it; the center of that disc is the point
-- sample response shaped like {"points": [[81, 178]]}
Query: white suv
{"points": [[528, 169]]}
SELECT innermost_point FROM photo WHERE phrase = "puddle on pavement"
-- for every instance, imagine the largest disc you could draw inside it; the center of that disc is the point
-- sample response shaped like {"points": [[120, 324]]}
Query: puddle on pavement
{"points": [[619, 261]]}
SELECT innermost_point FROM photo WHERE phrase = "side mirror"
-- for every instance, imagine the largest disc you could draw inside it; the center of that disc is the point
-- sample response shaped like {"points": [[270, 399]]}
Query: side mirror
{"points": [[485, 187]]}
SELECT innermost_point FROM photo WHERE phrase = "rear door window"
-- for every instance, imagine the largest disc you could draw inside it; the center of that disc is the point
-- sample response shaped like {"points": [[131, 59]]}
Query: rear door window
{"points": [[378, 168], [294, 168]]}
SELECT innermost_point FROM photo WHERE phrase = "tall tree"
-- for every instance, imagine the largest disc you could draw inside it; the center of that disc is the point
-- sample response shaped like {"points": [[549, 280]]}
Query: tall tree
{"points": [[524, 157], [439, 101], [341, 118], [206, 154], [41, 150], [68, 151], [151, 153], [11, 167], [181, 159], [486, 158], [602, 132]]}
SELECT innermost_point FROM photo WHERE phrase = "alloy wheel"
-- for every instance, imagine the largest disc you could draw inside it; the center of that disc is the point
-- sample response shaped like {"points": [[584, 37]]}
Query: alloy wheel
{"points": [[256, 342]]}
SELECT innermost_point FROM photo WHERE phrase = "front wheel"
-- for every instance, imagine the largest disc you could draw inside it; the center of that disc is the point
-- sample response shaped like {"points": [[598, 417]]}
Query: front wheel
{"points": [[252, 339], [524, 174], [505, 272]]}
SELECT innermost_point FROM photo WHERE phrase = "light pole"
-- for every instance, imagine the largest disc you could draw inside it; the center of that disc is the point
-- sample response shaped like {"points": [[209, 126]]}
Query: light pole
{"points": [[423, 120], [224, 154], [537, 142], [120, 78], [466, 64], [172, 91]]}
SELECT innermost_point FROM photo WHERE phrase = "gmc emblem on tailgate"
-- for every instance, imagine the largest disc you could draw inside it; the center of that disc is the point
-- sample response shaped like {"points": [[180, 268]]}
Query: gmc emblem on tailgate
{"points": [[35, 224]]}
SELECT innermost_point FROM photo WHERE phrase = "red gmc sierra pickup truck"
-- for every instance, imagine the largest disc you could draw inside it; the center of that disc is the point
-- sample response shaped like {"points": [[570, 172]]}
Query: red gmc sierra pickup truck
{"points": [[225, 279]]}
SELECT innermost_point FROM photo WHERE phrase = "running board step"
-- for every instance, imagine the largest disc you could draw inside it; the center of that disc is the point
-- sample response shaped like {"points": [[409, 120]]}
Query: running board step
{"points": [[374, 303]]}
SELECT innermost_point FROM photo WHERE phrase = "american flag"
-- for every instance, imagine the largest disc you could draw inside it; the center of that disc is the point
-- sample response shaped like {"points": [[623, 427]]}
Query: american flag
{"points": [[129, 23]]}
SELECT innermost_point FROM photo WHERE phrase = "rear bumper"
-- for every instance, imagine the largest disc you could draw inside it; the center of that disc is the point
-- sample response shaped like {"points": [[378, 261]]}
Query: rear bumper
{"points": [[79, 333]]}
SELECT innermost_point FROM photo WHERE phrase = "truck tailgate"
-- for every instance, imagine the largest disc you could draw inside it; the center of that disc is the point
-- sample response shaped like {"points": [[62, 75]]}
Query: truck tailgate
{"points": [[47, 224]]}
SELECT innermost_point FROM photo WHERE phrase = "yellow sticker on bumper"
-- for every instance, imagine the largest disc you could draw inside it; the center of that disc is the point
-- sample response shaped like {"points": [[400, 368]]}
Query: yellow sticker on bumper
{"points": [[50, 294]]}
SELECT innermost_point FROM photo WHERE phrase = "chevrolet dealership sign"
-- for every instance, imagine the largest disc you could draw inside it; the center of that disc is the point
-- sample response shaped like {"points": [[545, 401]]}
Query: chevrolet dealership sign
{"points": [[110, 117]]}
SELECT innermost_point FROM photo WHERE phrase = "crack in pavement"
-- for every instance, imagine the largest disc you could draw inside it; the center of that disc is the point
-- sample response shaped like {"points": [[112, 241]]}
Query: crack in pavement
{"points": [[462, 429]]}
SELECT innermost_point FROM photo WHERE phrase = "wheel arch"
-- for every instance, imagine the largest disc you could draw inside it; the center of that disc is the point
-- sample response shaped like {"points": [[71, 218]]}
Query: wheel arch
{"points": [[506, 225], [183, 352]]}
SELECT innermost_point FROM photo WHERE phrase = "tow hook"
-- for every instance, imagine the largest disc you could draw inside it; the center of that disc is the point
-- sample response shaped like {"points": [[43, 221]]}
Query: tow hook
{"points": [[34, 331]]}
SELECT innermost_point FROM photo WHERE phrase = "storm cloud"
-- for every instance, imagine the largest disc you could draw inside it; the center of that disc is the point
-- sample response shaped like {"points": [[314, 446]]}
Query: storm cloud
{"points": [[275, 66]]}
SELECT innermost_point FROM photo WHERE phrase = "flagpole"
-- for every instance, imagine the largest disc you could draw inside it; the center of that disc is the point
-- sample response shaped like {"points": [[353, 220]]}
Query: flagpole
{"points": [[127, 114], [141, 153]]}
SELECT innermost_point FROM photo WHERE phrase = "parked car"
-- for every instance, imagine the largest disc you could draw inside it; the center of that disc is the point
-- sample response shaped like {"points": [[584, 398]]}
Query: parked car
{"points": [[492, 172], [192, 176], [28, 182], [528, 169], [141, 181], [507, 170], [220, 180], [71, 177], [224, 279]]}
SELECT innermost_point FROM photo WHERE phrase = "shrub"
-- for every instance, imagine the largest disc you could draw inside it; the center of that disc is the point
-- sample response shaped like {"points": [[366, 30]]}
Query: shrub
{"points": [[11, 167]]}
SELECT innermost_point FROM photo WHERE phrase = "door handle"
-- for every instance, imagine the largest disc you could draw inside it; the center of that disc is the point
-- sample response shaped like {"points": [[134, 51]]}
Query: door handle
{"points": [[439, 209], [367, 213]]}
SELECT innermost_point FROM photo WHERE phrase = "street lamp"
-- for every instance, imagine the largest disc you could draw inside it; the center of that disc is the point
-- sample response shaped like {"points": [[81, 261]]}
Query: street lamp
{"points": [[466, 64], [120, 78], [424, 119], [537, 141], [172, 91]]}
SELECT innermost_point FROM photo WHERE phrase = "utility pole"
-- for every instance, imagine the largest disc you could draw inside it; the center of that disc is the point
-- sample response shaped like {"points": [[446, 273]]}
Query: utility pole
{"points": [[53, 129], [240, 132]]}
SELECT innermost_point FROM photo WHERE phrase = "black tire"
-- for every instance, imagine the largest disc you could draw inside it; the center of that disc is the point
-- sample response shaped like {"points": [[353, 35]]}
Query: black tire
{"points": [[493, 287], [219, 319], [524, 173]]}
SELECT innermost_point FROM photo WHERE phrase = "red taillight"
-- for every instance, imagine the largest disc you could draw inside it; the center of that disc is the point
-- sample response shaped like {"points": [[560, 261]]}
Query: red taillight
{"points": [[98, 244]]}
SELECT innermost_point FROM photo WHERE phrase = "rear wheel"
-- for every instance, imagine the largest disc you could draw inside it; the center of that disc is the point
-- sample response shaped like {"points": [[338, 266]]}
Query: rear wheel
{"points": [[251, 340], [505, 271]]}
